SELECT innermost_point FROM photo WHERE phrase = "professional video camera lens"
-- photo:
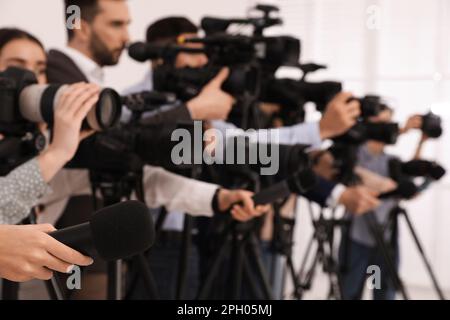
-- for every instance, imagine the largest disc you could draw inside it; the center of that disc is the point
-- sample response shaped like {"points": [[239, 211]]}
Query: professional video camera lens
{"points": [[371, 105], [293, 93], [37, 103], [432, 125], [23, 100], [363, 131]]}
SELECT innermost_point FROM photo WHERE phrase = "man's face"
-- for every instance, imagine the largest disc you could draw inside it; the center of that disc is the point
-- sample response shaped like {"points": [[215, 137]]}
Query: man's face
{"points": [[109, 32], [190, 60]]}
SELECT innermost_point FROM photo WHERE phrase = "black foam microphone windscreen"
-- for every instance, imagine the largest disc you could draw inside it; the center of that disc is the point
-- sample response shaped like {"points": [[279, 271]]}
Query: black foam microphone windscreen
{"points": [[141, 51], [116, 232]]}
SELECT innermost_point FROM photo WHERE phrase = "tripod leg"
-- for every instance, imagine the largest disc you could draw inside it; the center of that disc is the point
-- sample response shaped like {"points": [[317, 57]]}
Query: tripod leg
{"points": [[149, 280], [335, 288], [54, 288], [424, 257], [237, 266], [159, 222], [255, 292], [381, 245], [260, 270], [305, 258], [333, 267], [306, 284], [296, 283], [10, 290], [115, 280], [206, 286], [184, 258]]}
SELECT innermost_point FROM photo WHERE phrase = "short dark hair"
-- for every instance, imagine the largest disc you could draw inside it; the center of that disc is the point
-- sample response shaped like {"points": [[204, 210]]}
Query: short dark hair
{"points": [[10, 34], [167, 30], [89, 10]]}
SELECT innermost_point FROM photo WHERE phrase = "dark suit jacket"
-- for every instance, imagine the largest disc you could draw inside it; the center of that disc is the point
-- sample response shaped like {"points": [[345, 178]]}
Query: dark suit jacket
{"points": [[61, 69]]}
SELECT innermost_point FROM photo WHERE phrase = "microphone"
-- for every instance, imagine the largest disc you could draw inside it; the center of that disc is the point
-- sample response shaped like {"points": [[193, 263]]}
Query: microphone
{"points": [[141, 51], [299, 183], [405, 190], [116, 232]]}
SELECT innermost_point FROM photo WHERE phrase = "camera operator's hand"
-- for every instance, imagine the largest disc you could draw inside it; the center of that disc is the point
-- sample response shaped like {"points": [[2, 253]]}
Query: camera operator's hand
{"points": [[413, 122], [212, 103], [359, 199], [28, 252], [73, 107], [340, 115], [228, 198]]}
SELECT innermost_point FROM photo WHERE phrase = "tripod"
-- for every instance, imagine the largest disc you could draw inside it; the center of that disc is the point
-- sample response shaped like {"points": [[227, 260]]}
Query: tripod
{"points": [[243, 242], [323, 236], [114, 188], [396, 212]]}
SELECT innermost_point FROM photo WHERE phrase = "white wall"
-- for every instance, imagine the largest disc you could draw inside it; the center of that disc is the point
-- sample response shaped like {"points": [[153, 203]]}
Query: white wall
{"points": [[407, 59]]}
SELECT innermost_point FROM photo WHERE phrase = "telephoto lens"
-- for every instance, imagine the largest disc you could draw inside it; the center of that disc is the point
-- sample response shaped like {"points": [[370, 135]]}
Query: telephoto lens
{"points": [[23, 100], [38, 102]]}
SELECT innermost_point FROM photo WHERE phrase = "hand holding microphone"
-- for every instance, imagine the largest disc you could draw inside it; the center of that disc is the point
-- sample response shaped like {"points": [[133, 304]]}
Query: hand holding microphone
{"points": [[36, 251], [116, 232], [28, 252]]}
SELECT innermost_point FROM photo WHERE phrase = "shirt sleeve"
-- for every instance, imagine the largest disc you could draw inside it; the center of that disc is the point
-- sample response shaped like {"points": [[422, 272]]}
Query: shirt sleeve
{"points": [[20, 191], [303, 133], [178, 193]]}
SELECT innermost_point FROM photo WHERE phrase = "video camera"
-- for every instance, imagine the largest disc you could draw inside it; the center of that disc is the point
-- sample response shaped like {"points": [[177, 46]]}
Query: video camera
{"points": [[212, 25], [24, 103], [432, 125]]}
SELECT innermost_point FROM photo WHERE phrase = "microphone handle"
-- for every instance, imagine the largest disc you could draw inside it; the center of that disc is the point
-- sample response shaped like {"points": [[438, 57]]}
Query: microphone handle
{"points": [[78, 237], [389, 194], [273, 193]]}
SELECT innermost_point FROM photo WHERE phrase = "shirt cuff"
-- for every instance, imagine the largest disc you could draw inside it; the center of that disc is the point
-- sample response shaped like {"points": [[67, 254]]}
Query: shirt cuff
{"points": [[310, 132], [333, 199]]}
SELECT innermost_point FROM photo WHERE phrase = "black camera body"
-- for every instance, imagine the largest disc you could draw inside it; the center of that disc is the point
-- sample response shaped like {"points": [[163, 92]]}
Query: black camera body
{"points": [[432, 125], [22, 139]]}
